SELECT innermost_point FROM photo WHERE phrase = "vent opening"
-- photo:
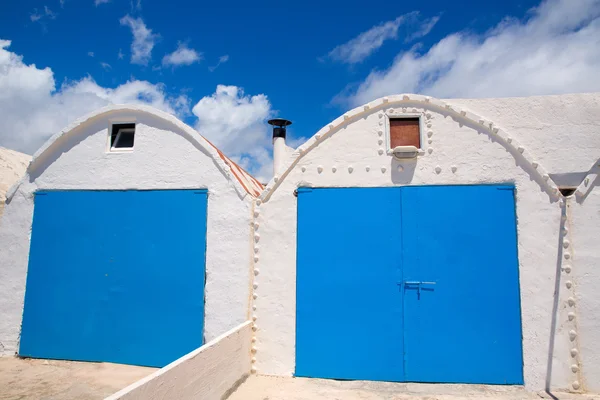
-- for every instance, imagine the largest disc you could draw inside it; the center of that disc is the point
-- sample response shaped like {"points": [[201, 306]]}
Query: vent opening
{"points": [[122, 137]]}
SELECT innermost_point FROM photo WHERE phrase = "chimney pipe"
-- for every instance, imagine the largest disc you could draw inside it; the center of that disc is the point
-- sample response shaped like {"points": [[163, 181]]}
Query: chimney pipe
{"points": [[279, 147]]}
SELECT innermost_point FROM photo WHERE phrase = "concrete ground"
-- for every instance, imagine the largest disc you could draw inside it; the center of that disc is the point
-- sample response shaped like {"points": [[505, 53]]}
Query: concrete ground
{"points": [[64, 380], [277, 388]]}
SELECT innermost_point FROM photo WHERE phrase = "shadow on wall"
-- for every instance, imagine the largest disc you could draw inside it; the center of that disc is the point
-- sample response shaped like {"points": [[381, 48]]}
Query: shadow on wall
{"points": [[403, 171], [555, 300], [590, 182]]}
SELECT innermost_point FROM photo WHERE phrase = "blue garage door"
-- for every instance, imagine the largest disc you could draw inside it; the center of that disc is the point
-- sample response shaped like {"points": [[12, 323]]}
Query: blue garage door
{"points": [[409, 284], [347, 269], [116, 276]]}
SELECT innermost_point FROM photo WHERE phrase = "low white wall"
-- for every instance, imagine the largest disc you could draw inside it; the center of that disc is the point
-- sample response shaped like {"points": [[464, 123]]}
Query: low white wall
{"points": [[165, 156], [207, 373]]}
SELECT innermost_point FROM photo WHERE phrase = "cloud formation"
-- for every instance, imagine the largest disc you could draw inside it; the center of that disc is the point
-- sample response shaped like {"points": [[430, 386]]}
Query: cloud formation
{"points": [[358, 49], [143, 40], [39, 16], [555, 49], [183, 55], [222, 60], [236, 123], [32, 108]]}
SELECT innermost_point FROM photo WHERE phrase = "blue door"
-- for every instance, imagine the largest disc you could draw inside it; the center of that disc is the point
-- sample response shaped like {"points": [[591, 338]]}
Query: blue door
{"points": [[116, 276], [461, 285], [346, 271], [453, 253]]}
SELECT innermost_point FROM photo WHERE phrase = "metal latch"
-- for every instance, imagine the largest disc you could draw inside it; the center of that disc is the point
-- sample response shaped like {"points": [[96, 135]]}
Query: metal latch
{"points": [[418, 284]]}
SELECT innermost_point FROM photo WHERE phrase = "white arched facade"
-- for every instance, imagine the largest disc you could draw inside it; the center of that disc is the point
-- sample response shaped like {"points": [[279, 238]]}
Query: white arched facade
{"points": [[459, 147], [167, 155]]}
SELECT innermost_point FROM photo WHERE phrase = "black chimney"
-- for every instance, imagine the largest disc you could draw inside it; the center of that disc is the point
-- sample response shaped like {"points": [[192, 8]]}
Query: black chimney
{"points": [[279, 125]]}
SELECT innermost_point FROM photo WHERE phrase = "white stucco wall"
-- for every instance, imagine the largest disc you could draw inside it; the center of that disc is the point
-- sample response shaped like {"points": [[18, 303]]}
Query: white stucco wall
{"points": [[166, 155], [460, 147], [560, 129], [12, 168], [208, 373], [585, 276]]}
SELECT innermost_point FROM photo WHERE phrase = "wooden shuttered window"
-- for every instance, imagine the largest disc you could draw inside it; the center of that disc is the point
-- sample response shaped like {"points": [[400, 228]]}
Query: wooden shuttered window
{"points": [[404, 132]]}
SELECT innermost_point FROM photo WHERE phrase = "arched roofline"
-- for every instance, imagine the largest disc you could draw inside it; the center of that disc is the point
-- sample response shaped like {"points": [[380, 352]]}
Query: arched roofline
{"points": [[53, 144], [460, 114]]}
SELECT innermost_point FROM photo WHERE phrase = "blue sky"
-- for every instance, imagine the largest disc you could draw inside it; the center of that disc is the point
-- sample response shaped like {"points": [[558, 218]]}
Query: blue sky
{"points": [[307, 61]]}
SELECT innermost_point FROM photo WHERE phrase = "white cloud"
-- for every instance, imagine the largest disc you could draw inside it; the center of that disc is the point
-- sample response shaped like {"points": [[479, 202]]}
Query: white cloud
{"points": [[182, 56], [120, 55], [32, 109], [49, 13], [362, 46], [136, 5], [555, 50], [106, 66], [38, 16], [35, 16], [423, 29], [236, 124], [222, 60], [91, 53], [98, 2], [143, 40]]}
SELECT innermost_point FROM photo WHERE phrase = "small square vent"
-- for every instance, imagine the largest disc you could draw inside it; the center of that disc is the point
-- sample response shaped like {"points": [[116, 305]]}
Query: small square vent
{"points": [[122, 137]]}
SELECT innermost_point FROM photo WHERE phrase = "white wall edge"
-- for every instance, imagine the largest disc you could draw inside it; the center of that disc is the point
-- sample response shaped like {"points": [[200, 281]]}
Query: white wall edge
{"points": [[234, 365]]}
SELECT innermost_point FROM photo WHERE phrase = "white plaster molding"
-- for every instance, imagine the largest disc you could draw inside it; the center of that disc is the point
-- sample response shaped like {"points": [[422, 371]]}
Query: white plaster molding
{"points": [[571, 303], [428, 103]]}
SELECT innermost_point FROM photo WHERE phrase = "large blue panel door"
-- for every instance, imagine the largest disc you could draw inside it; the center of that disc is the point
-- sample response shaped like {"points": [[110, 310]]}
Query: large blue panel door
{"points": [[461, 287], [408, 284], [116, 276], [348, 319]]}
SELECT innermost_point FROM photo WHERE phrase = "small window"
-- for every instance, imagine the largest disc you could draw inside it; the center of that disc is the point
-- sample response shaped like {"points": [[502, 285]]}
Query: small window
{"points": [[405, 132], [122, 136]]}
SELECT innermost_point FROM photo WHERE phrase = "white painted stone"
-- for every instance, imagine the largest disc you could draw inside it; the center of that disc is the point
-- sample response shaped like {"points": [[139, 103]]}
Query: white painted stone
{"points": [[583, 242], [209, 372]]}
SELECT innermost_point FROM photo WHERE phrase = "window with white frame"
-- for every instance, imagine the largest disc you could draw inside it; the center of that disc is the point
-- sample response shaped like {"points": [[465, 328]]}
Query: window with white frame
{"points": [[122, 137]]}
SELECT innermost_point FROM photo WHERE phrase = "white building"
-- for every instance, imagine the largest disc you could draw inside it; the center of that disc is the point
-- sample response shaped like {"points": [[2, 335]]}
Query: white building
{"points": [[337, 267], [12, 167], [411, 239], [139, 241]]}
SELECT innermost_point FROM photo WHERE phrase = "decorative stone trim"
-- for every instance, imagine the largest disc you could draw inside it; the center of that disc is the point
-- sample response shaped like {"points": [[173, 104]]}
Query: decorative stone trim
{"points": [[588, 182], [406, 101], [255, 272], [569, 290]]}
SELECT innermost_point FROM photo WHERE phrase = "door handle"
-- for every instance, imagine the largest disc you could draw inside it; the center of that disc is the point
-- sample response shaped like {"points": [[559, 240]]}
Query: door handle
{"points": [[418, 285]]}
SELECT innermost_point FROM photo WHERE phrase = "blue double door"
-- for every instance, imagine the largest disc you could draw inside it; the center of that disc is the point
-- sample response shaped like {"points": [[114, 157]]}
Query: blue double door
{"points": [[116, 276], [414, 284]]}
